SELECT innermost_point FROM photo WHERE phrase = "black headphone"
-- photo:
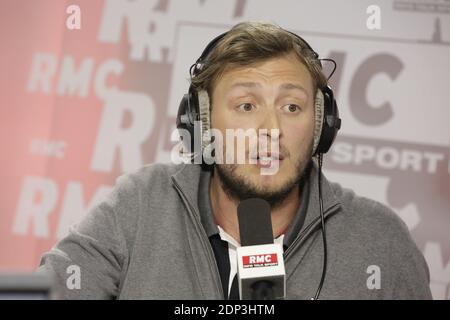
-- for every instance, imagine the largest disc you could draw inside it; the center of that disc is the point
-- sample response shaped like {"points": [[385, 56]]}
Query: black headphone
{"points": [[326, 111]]}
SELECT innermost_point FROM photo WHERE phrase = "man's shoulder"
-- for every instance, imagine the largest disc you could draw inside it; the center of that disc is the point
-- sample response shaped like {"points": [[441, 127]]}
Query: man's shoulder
{"points": [[150, 175], [375, 224], [368, 212], [378, 236], [148, 183], [154, 170]]}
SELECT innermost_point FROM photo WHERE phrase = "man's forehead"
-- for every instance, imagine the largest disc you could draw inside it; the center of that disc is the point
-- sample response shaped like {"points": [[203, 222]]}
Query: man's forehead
{"points": [[287, 71]]}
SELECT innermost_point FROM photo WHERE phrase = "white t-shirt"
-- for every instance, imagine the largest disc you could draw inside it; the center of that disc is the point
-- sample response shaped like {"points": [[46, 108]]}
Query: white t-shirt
{"points": [[232, 245]]}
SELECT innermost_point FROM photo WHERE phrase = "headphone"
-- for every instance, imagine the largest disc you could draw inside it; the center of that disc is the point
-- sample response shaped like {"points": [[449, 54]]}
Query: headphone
{"points": [[195, 106]]}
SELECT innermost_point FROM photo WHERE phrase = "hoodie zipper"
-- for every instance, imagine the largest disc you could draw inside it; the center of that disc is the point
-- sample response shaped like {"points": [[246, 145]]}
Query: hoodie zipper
{"points": [[299, 238], [203, 236]]}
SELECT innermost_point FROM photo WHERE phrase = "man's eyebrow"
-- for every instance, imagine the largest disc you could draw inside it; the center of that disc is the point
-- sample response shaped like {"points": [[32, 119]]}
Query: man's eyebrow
{"points": [[292, 86], [248, 84], [284, 86]]}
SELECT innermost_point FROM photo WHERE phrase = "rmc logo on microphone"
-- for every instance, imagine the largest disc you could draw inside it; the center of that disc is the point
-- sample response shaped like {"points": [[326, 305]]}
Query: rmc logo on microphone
{"points": [[260, 260]]}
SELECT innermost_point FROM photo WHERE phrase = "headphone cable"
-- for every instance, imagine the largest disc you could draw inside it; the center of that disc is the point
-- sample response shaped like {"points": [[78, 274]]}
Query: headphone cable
{"points": [[324, 238], [334, 66]]}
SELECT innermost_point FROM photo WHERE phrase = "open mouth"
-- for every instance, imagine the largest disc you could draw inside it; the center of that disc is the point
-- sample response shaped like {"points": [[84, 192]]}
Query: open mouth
{"points": [[268, 160]]}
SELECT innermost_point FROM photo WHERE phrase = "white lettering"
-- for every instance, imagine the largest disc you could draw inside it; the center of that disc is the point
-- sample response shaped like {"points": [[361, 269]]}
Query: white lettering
{"points": [[374, 20], [43, 68], [71, 81], [74, 20], [31, 209], [374, 280], [74, 280], [128, 141]]}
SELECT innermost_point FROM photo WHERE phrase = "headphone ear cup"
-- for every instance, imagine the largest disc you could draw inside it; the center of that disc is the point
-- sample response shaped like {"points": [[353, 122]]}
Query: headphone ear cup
{"points": [[318, 119], [182, 119], [331, 122], [186, 116]]}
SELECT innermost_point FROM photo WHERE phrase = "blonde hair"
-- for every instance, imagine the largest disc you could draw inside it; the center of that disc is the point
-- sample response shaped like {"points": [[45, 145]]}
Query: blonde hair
{"points": [[251, 42]]}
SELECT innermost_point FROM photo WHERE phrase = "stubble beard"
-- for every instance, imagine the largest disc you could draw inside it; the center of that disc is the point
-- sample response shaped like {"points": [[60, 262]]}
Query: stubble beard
{"points": [[237, 187]]}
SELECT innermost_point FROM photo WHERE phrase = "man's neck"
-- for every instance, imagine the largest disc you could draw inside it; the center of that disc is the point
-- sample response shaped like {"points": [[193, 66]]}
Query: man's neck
{"points": [[225, 210]]}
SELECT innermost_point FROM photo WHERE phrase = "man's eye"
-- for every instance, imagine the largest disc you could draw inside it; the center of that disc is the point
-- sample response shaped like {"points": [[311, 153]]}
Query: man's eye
{"points": [[291, 108], [245, 107]]}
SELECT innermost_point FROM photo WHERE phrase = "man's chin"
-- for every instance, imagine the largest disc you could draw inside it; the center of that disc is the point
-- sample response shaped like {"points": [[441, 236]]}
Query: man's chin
{"points": [[269, 183], [241, 182]]}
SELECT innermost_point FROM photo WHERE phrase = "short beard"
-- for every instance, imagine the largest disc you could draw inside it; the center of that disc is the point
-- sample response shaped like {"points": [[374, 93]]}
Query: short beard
{"points": [[237, 188]]}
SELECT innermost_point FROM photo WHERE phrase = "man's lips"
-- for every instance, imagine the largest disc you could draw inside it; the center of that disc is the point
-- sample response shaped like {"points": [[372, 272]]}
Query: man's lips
{"points": [[268, 160], [269, 156]]}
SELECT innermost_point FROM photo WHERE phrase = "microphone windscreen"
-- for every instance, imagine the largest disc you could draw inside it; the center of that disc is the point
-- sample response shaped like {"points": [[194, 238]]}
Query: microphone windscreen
{"points": [[255, 223]]}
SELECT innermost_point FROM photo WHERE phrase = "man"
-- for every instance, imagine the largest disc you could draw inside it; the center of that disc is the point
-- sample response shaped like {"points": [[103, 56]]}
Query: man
{"points": [[171, 231]]}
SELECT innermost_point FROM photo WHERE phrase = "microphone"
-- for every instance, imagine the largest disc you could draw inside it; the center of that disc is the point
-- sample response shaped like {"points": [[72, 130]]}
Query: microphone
{"points": [[261, 273]]}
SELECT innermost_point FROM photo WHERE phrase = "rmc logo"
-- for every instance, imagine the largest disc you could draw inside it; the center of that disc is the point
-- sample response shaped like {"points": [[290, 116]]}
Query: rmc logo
{"points": [[260, 260]]}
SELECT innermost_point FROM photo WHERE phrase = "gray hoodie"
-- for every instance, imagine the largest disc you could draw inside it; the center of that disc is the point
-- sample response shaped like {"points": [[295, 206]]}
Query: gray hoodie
{"points": [[146, 241]]}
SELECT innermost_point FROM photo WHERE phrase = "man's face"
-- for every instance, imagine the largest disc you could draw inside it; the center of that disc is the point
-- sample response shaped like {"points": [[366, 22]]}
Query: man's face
{"points": [[273, 94]]}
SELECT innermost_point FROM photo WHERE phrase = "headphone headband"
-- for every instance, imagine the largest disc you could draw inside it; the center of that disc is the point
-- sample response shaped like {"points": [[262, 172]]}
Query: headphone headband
{"points": [[198, 65]]}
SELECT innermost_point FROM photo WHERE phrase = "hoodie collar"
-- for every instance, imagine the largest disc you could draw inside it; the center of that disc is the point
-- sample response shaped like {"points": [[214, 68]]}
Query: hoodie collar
{"points": [[311, 203], [188, 180]]}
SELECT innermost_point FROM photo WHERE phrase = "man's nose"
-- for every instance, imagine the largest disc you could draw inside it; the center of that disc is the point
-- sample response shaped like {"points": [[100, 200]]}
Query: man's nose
{"points": [[271, 122], [269, 132]]}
